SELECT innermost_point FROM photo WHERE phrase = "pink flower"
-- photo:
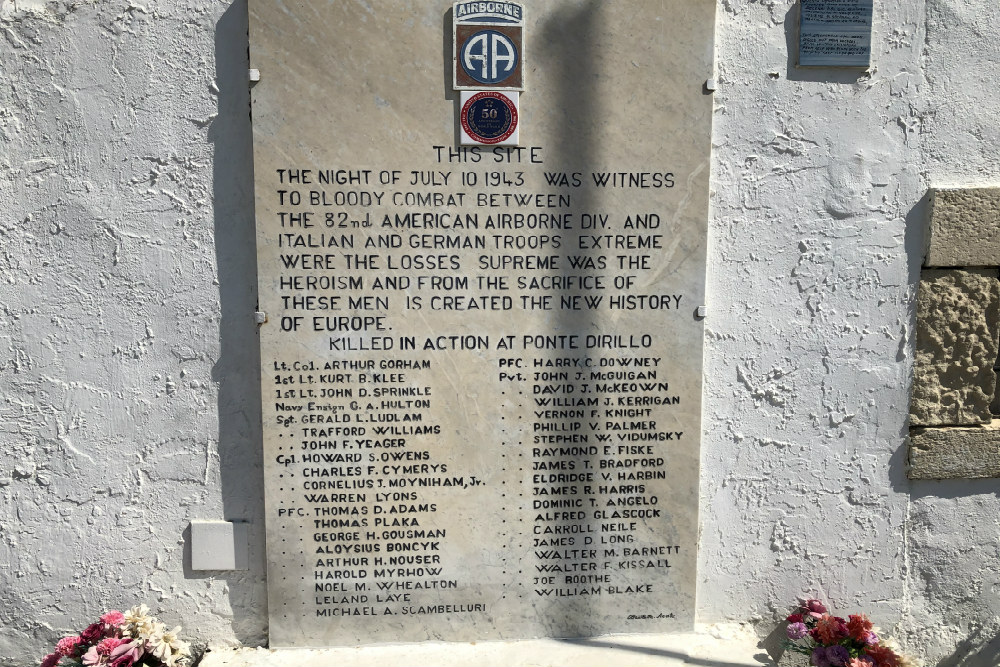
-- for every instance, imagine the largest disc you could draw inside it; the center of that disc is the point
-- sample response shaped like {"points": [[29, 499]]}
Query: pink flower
{"points": [[113, 618], [861, 661], [68, 646], [92, 633], [797, 630], [870, 639], [815, 606], [92, 657], [123, 661], [109, 644], [813, 609], [51, 660], [127, 652], [108, 650]]}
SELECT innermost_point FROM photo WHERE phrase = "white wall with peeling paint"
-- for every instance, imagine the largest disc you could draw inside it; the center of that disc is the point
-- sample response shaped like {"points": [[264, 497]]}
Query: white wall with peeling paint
{"points": [[127, 344], [819, 196]]}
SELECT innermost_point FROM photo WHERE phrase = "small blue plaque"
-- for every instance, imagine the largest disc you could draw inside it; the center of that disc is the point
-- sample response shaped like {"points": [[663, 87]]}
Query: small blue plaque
{"points": [[835, 33]]}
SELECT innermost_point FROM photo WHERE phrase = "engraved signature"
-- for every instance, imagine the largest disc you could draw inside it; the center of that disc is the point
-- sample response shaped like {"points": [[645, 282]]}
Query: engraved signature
{"points": [[641, 617]]}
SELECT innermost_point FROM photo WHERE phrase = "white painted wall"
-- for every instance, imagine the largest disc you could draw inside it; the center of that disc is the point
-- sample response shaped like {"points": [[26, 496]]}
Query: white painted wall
{"points": [[817, 238], [127, 345], [128, 353], [953, 528]]}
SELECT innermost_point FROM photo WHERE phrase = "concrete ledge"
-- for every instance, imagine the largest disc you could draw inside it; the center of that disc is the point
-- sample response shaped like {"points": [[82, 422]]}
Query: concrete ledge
{"points": [[709, 646], [955, 453], [964, 227]]}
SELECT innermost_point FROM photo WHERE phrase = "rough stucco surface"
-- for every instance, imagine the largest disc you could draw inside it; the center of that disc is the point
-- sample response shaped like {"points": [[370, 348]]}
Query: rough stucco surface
{"points": [[817, 236], [815, 242], [122, 369], [964, 227], [127, 361], [958, 121], [958, 326], [954, 550], [955, 453], [952, 534]]}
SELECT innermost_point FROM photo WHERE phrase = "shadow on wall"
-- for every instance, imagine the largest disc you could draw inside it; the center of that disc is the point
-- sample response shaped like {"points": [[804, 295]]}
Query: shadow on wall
{"points": [[577, 145], [237, 370], [914, 241], [973, 653]]}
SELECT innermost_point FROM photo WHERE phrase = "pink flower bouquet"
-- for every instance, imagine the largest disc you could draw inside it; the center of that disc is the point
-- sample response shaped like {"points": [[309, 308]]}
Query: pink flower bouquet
{"points": [[132, 639], [831, 641]]}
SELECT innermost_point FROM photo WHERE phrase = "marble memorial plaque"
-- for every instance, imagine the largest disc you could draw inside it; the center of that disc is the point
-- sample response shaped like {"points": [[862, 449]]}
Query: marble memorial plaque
{"points": [[835, 33], [481, 366]]}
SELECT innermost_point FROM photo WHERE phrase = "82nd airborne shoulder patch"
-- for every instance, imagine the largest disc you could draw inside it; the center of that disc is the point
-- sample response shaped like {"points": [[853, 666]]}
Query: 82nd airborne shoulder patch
{"points": [[488, 43]]}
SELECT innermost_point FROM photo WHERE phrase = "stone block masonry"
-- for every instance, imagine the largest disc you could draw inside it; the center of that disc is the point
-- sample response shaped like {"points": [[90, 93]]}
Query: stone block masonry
{"points": [[958, 313], [955, 453], [964, 227], [958, 320]]}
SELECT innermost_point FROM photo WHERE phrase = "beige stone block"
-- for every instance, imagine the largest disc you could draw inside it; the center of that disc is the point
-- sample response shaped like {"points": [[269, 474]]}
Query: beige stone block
{"points": [[964, 227], [955, 452], [958, 317]]}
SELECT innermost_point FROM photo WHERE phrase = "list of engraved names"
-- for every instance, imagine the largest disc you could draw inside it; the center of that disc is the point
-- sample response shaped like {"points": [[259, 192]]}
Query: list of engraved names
{"points": [[588, 424]]}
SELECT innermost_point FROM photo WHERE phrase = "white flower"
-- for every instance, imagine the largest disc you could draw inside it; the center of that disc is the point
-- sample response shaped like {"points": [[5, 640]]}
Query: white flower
{"points": [[135, 619], [137, 614], [146, 629], [167, 646]]}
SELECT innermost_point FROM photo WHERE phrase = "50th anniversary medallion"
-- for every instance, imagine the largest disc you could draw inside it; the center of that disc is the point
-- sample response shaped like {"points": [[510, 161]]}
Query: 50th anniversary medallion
{"points": [[489, 117]]}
